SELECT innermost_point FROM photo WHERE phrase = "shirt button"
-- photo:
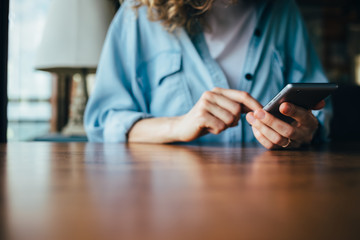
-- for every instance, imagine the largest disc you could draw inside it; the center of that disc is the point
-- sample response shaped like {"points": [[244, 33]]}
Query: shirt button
{"points": [[257, 32], [249, 76]]}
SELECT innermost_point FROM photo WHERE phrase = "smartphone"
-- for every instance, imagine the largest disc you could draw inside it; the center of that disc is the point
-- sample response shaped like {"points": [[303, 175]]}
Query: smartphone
{"points": [[305, 95]]}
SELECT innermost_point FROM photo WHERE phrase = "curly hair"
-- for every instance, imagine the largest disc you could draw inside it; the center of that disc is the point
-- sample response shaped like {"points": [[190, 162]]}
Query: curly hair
{"points": [[178, 13]]}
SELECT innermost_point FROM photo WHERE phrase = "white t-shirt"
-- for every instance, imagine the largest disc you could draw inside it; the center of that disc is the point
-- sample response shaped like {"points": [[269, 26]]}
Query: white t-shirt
{"points": [[229, 35]]}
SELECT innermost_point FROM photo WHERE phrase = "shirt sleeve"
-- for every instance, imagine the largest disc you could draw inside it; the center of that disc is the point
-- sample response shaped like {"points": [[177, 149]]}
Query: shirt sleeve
{"points": [[304, 65], [117, 101]]}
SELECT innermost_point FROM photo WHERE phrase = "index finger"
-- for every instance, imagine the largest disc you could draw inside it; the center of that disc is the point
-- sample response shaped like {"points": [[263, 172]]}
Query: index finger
{"points": [[244, 98]]}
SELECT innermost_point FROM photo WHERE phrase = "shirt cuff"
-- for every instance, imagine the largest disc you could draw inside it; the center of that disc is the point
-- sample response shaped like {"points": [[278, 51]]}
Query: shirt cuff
{"points": [[118, 124]]}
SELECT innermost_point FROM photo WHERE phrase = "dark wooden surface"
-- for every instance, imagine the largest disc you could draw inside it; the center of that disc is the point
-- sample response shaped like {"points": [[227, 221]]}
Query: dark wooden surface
{"points": [[137, 191]]}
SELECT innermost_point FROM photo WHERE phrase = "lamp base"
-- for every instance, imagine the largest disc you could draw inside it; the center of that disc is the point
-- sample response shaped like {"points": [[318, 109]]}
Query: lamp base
{"points": [[79, 98], [73, 129]]}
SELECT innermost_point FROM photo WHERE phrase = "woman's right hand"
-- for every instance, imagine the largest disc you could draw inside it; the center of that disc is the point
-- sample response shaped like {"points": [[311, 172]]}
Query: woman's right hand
{"points": [[216, 111]]}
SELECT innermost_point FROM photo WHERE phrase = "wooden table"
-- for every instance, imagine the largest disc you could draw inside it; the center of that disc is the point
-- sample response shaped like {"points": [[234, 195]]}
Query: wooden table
{"points": [[138, 191]]}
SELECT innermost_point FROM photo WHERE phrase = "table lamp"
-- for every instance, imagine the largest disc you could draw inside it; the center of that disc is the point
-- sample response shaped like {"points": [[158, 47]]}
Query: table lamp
{"points": [[72, 41]]}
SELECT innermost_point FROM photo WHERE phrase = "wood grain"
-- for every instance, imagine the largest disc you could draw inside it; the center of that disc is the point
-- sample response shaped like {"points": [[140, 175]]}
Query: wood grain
{"points": [[139, 191]]}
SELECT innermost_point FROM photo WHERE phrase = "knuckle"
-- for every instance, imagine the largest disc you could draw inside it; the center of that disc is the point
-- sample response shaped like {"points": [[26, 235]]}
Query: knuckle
{"points": [[278, 140], [204, 104], [217, 131], [269, 119], [207, 95], [289, 132], [218, 127], [216, 89], [245, 95], [237, 109], [267, 145], [230, 119], [222, 126]]}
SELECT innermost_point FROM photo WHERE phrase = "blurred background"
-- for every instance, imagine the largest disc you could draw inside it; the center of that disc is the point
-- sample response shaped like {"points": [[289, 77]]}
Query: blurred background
{"points": [[40, 96], [41, 85]]}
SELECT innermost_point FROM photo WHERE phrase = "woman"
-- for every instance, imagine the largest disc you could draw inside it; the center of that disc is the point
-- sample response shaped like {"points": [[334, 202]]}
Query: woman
{"points": [[181, 71]]}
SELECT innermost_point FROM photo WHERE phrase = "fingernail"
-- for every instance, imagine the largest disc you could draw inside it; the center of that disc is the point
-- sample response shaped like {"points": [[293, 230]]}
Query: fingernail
{"points": [[251, 118], [260, 114]]}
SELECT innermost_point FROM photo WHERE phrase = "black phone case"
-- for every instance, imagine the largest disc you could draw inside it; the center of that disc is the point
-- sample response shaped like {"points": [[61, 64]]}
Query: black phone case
{"points": [[305, 95]]}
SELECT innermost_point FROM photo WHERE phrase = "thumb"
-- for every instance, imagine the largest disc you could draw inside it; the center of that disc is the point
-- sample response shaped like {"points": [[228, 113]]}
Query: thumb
{"points": [[319, 105]]}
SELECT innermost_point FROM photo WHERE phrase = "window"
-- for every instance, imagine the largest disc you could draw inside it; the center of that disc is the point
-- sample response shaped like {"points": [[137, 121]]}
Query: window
{"points": [[29, 91]]}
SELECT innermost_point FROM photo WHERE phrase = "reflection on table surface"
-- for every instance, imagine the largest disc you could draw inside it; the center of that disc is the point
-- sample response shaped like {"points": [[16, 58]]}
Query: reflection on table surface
{"points": [[140, 191]]}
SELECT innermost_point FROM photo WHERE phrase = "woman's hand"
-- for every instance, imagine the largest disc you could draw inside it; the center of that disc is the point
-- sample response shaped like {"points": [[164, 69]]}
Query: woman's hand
{"points": [[273, 133], [216, 111]]}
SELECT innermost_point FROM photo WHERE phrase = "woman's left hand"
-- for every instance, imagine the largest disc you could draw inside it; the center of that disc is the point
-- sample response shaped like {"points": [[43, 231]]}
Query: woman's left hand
{"points": [[273, 133]]}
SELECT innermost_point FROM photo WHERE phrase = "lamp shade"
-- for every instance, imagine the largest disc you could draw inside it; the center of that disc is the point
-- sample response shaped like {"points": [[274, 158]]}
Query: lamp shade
{"points": [[74, 34]]}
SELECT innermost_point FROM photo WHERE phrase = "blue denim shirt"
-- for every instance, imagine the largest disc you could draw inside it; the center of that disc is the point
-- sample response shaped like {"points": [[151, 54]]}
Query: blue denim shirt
{"points": [[145, 71]]}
